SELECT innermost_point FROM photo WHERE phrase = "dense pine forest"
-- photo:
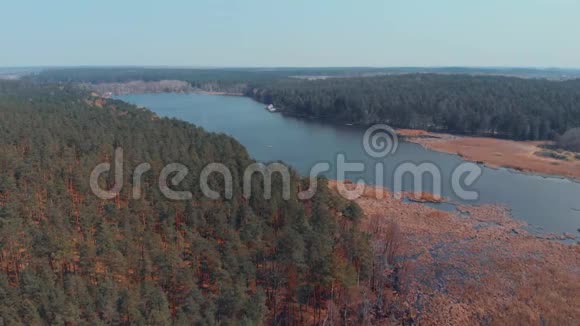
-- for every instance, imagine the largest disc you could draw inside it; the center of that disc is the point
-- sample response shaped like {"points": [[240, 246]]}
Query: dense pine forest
{"points": [[463, 101], [69, 258], [525, 109]]}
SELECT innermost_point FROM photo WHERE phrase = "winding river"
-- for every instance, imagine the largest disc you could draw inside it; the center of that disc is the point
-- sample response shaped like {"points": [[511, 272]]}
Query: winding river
{"points": [[548, 204]]}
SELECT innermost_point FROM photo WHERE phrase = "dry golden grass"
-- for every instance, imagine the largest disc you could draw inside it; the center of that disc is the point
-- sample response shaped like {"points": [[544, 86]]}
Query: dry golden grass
{"points": [[457, 270], [519, 155]]}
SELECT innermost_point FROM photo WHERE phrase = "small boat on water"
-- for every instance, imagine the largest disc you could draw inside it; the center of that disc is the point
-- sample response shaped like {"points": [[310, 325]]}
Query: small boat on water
{"points": [[271, 108]]}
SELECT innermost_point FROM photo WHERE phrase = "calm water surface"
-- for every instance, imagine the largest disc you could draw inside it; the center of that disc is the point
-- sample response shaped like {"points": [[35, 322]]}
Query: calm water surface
{"points": [[549, 204]]}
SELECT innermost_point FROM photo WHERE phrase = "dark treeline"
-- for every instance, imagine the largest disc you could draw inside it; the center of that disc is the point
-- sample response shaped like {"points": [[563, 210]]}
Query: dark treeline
{"points": [[69, 258], [495, 106], [244, 75], [233, 80], [224, 77]]}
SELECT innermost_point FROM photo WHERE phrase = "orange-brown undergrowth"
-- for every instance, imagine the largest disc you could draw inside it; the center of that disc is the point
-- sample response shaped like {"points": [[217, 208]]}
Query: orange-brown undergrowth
{"points": [[518, 155], [476, 266]]}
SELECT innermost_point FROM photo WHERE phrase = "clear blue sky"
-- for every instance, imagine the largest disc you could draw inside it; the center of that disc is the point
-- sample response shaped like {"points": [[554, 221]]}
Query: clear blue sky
{"points": [[291, 33]]}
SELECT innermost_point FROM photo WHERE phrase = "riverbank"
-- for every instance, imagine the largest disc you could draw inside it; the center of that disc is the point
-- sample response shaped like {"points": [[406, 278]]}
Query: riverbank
{"points": [[475, 265], [523, 156]]}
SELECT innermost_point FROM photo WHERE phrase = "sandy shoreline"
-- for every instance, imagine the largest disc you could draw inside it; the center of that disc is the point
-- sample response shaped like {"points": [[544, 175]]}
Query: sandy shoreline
{"points": [[474, 265], [493, 152]]}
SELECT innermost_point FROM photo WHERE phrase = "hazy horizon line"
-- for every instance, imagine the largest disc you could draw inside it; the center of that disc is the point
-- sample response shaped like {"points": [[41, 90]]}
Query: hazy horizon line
{"points": [[288, 67]]}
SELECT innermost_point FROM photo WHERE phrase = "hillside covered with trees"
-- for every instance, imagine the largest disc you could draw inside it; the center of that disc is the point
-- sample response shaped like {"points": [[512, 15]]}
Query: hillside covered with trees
{"points": [[69, 258], [494, 106]]}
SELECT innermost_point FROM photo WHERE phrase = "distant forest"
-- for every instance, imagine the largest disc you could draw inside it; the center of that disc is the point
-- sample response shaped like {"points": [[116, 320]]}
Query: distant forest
{"points": [[455, 100], [69, 258], [193, 75], [525, 109]]}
